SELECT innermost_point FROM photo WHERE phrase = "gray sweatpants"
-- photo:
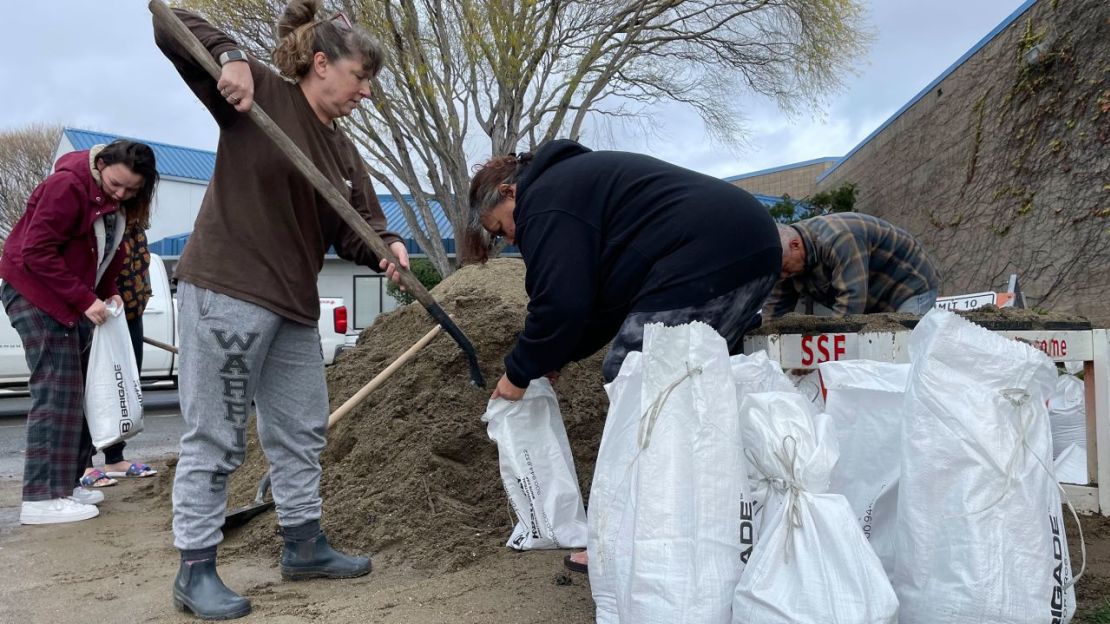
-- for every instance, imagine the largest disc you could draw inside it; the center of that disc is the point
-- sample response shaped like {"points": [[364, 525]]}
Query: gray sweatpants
{"points": [[233, 352]]}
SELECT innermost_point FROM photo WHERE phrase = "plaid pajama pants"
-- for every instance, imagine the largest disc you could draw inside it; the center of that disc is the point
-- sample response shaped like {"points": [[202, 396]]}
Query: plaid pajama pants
{"points": [[56, 422]]}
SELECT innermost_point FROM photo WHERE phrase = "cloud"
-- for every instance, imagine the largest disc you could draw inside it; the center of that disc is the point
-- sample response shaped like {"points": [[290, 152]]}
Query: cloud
{"points": [[916, 42], [98, 68]]}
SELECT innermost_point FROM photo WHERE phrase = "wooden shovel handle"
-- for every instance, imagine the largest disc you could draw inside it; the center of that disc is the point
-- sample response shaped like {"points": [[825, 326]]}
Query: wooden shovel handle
{"points": [[381, 377], [160, 344]]}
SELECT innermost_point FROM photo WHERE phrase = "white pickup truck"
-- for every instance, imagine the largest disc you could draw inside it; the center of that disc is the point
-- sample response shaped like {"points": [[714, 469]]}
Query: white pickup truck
{"points": [[160, 323]]}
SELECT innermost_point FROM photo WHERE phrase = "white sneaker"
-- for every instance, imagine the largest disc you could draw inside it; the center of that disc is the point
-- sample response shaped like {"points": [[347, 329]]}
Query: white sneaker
{"points": [[56, 511], [86, 496]]}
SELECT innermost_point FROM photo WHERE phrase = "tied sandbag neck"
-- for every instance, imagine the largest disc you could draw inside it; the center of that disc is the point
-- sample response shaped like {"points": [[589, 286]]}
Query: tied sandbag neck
{"points": [[787, 456], [1020, 399]]}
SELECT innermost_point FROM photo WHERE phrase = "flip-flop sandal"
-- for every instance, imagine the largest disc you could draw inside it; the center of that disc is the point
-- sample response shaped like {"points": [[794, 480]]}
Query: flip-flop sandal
{"points": [[574, 566], [135, 470], [97, 479]]}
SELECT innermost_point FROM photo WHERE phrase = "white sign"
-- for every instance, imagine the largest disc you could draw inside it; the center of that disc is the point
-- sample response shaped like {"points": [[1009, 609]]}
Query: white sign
{"points": [[1061, 346], [962, 303], [806, 350]]}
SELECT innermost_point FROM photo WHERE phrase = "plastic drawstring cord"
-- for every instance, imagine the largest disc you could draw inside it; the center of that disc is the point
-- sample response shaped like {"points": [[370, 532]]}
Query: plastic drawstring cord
{"points": [[647, 426], [1020, 399], [787, 456], [648, 420]]}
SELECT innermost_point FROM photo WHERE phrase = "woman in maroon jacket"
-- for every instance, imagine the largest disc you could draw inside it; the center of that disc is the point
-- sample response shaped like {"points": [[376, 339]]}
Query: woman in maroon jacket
{"points": [[59, 268]]}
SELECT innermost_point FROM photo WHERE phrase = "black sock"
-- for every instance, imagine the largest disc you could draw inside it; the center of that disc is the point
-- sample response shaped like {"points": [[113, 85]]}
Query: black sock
{"points": [[302, 532], [199, 554]]}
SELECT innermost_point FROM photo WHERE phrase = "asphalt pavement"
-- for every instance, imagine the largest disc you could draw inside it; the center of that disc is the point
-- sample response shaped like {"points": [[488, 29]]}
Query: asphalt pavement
{"points": [[162, 428]]}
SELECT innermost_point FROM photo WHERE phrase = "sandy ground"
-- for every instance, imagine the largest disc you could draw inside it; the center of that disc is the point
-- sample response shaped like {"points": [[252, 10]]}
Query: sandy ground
{"points": [[119, 567]]}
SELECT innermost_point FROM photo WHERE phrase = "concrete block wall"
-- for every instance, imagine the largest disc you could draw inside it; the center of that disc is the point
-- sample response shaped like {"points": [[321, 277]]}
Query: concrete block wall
{"points": [[1004, 166], [797, 182]]}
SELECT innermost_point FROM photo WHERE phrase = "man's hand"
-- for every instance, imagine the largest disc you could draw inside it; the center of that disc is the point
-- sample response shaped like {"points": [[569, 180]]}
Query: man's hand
{"points": [[236, 85], [506, 390], [398, 249], [114, 300], [97, 312]]}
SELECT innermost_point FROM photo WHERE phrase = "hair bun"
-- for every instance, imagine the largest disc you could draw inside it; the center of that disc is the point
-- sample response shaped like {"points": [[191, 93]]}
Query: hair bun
{"points": [[296, 14]]}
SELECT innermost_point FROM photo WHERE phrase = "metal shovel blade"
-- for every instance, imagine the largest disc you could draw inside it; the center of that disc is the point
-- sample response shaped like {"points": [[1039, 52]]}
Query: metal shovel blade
{"points": [[242, 515]]}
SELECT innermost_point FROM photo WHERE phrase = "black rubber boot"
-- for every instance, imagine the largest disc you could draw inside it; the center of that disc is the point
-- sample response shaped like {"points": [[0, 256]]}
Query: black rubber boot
{"points": [[199, 590], [315, 558]]}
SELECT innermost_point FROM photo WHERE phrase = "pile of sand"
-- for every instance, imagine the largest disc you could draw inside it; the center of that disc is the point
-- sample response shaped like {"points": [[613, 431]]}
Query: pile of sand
{"points": [[410, 475], [794, 323]]}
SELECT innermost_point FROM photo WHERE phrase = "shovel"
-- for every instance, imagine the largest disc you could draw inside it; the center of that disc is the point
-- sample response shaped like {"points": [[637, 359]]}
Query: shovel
{"points": [[160, 344], [338, 202], [242, 515]]}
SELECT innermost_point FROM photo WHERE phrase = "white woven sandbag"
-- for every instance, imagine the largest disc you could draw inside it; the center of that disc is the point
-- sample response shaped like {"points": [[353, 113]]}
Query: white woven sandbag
{"points": [[1071, 465], [980, 535], [811, 563], [811, 386], [752, 373], [1067, 412], [670, 526], [609, 492], [865, 401], [537, 469]]}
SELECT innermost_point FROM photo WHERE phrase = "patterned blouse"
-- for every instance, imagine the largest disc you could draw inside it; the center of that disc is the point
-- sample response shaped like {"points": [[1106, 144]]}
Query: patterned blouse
{"points": [[134, 278]]}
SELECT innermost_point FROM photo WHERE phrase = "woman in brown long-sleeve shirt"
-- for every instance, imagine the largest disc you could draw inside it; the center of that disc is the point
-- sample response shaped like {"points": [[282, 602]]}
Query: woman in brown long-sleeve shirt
{"points": [[247, 294]]}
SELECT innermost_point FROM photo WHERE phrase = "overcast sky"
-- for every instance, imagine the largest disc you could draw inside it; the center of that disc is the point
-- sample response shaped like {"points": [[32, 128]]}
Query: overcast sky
{"points": [[93, 65]]}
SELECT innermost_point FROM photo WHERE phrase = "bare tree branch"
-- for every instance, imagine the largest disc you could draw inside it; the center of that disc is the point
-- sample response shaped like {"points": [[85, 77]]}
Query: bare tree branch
{"points": [[26, 158], [465, 79]]}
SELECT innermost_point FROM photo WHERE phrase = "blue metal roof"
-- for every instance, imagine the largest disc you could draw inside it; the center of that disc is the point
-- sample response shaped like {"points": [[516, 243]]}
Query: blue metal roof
{"points": [[928, 89], [173, 160], [767, 200], [173, 245], [170, 245], [396, 218]]}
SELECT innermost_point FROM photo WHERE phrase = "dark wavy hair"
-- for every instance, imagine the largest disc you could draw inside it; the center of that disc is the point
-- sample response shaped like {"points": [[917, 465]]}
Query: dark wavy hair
{"points": [[485, 193], [139, 158]]}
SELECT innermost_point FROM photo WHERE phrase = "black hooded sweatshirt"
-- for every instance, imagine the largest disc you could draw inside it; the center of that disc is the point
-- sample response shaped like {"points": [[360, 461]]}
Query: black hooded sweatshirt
{"points": [[604, 234]]}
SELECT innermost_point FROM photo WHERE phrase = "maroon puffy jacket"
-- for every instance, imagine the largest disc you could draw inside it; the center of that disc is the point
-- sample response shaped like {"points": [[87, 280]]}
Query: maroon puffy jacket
{"points": [[51, 255]]}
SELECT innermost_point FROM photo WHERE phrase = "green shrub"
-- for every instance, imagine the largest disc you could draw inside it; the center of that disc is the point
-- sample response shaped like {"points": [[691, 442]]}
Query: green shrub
{"points": [[424, 271], [840, 199]]}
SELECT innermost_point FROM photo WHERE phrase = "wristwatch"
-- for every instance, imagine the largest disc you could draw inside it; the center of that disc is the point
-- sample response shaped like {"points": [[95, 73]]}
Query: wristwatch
{"points": [[232, 55]]}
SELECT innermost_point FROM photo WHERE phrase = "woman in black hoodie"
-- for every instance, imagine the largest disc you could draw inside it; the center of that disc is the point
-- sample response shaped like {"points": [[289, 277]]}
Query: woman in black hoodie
{"points": [[614, 240]]}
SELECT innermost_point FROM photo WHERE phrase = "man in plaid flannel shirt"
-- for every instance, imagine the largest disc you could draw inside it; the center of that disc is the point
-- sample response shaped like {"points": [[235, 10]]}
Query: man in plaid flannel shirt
{"points": [[853, 264]]}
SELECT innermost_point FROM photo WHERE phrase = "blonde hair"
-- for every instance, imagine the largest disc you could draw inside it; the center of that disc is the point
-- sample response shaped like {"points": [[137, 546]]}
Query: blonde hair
{"points": [[300, 37]]}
